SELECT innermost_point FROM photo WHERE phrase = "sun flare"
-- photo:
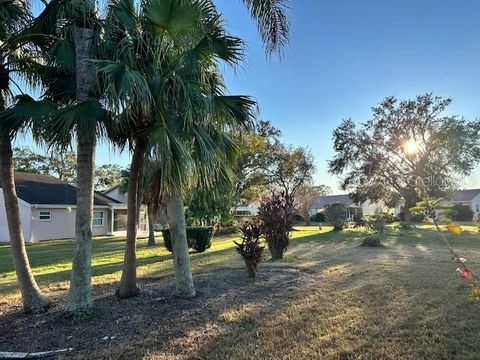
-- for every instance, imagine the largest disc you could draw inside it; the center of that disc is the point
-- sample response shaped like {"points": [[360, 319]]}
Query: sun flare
{"points": [[411, 147]]}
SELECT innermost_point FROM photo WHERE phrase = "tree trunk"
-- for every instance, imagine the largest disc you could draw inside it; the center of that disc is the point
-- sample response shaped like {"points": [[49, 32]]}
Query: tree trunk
{"points": [[151, 221], [33, 300], [80, 292], [128, 283], [307, 218], [181, 259]]}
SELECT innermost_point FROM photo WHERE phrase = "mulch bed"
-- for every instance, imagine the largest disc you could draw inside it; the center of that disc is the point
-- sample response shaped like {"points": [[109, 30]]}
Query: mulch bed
{"points": [[153, 320]]}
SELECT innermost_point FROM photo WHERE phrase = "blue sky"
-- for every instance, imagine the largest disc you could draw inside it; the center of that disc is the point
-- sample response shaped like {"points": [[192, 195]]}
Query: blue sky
{"points": [[345, 56]]}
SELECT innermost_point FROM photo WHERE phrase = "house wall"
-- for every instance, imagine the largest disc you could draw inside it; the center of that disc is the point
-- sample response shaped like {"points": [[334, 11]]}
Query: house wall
{"points": [[475, 204], [25, 218], [251, 208], [62, 224]]}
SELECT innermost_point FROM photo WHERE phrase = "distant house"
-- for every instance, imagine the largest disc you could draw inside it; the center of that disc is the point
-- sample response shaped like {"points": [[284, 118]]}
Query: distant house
{"points": [[247, 209], [47, 210], [352, 209], [469, 197]]}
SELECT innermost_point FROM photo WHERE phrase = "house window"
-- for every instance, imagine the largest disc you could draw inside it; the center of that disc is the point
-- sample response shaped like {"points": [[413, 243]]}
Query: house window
{"points": [[478, 210], [243, 213], [45, 216], [97, 218]]}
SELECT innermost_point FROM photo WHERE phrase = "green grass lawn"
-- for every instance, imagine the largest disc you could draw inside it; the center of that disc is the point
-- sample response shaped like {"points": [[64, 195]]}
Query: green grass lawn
{"points": [[51, 260], [328, 299]]}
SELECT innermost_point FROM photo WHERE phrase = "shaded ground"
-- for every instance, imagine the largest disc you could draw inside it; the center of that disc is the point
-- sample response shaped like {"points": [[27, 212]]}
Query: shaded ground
{"points": [[329, 299]]}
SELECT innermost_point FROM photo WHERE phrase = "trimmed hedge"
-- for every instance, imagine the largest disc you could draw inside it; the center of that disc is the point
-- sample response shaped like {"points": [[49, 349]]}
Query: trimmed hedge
{"points": [[198, 238]]}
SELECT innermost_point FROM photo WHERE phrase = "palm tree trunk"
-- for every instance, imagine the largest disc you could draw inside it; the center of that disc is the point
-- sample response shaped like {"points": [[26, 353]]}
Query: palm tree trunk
{"points": [[33, 300], [128, 282], [151, 222], [181, 259], [80, 292]]}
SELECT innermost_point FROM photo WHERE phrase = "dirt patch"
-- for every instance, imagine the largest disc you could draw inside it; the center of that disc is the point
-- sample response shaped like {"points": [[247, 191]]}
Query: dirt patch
{"points": [[155, 318]]}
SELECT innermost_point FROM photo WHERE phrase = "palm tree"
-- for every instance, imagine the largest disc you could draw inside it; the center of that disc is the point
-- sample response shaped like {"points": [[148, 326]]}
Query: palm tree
{"points": [[68, 79], [15, 58], [159, 65]]}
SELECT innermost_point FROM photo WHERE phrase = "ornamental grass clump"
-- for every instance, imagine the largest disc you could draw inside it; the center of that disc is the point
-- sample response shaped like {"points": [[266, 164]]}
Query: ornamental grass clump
{"points": [[251, 248], [277, 217]]}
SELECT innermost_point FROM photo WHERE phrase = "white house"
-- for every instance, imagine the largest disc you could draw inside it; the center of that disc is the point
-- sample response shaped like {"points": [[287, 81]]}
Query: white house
{"points": [[366, 208], [247, 209], [469, 197], [47, 210]]}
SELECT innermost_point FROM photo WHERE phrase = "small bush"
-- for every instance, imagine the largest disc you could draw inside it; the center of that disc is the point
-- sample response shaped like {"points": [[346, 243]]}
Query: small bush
{"points": [[226, 230], [389, 218], [417, 218], [359, 221], [336, 214], [276, 214], [372, 241], [462, 212], [251, 249], [198, 238], [376, 223], [319, 217]]}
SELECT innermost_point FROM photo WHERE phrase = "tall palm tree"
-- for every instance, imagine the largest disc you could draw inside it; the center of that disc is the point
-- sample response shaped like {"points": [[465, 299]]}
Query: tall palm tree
{"points": [[158, 67], [68, 79], [16, 58]]}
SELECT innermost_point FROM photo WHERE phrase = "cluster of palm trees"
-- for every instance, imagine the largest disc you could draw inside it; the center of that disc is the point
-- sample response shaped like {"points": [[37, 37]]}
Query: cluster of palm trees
{"points": [[141, 74]]}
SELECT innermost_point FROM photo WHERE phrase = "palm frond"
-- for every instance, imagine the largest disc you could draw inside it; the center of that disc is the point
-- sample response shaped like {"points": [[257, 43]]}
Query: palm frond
{"points": [[25, 114], [272, 21]]}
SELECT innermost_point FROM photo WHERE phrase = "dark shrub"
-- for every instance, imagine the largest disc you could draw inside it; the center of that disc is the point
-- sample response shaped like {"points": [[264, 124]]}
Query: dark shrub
{"points": [[376, 223], [336, 215], [226, 230], [318, 217], [199, 238], [372, 241], [462, 212], [415, 217], [167, 239], [359, 221], [251, 248], [276, 214], [298, 218], [389, 218]]}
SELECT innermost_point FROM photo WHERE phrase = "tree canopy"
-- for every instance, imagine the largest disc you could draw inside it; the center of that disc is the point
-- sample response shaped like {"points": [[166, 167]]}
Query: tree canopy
{"points": [[404, 140]]}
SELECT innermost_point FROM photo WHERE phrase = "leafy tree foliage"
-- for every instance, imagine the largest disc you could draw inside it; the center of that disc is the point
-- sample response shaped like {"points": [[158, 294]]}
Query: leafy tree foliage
{"points": [[63, 165], [403, 141], [256, 153], [108, 176], [290, 169], [306, 197]]}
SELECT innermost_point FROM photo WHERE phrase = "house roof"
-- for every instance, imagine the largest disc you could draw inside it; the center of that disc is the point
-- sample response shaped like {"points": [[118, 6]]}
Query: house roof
{"points": [[465, 195], [110, 190], [332, 199], [48, 190]]}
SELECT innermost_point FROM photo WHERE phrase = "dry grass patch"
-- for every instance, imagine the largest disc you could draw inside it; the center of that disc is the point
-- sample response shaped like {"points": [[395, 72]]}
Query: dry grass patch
{"points": [[329, 299]]}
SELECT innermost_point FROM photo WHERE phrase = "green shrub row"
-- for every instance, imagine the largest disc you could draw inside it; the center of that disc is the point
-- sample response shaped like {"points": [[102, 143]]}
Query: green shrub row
{"points": [[198, 238]]}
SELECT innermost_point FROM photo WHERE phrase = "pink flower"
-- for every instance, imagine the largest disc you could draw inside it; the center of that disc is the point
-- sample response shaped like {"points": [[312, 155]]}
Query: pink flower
{"points": [[465, 273]]}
